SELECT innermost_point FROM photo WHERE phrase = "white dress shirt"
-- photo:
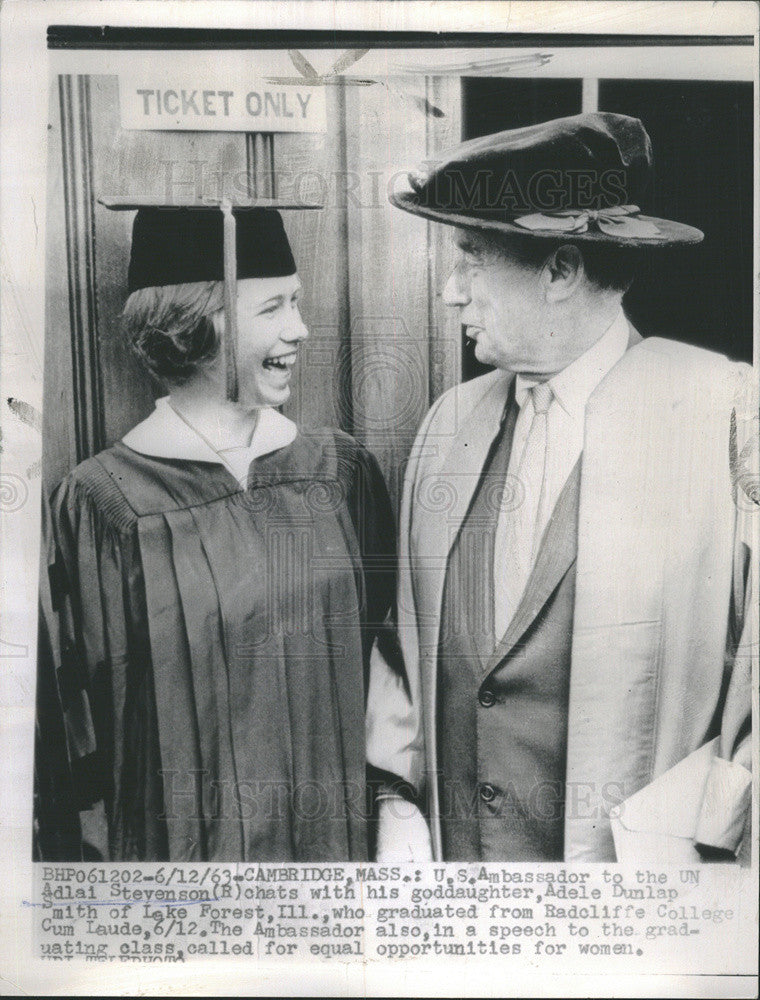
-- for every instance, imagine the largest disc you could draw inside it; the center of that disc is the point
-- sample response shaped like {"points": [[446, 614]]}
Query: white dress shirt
{"points": [[565, 420]]}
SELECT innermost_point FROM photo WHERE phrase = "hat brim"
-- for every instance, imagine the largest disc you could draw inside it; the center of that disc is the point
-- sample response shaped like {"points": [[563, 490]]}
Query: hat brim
{"points": [[670, 233]]}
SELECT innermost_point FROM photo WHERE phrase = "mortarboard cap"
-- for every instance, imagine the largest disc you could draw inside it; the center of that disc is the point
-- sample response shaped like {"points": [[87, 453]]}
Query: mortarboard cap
{"points": [[173, 246]]}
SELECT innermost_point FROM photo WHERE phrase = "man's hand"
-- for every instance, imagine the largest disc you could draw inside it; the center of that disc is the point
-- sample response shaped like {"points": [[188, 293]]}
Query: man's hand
{"points": [[403, 833]]}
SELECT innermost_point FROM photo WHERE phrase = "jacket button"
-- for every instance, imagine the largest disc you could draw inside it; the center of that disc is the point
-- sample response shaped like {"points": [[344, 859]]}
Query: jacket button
{"points": [[487, 793], [487, 697]]}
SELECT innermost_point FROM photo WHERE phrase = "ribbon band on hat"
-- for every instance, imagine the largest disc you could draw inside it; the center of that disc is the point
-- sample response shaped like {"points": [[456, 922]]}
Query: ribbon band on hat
{"points": [[619, 221]]}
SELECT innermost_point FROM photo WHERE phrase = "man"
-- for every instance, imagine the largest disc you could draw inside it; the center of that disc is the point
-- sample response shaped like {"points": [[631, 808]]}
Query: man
{"points": [[574, 535]]}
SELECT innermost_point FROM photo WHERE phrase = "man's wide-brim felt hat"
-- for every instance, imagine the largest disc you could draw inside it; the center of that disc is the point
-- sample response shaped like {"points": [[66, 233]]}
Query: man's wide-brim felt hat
{"points": [[581, 178]]}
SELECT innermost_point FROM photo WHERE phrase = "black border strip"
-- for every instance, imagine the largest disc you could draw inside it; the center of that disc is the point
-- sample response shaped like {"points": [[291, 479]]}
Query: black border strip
{"points": [[67, 36]]}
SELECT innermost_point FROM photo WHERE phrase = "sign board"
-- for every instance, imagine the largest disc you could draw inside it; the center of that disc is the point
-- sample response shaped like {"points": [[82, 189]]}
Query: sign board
{"points": [[204, 103]]}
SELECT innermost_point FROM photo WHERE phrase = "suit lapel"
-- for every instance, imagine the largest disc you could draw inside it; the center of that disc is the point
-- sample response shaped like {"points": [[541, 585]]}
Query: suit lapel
{"points": [[464, 463], [556, 555], [444, 493]]}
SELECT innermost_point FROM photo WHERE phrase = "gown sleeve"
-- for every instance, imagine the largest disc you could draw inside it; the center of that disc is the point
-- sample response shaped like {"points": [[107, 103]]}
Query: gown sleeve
{"points": [[372, 516], [56, 829], [93, 669], [395, 738]]}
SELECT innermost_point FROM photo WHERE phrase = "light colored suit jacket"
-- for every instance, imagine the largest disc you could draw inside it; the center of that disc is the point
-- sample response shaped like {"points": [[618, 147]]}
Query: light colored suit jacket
{"points": [[661, 587]]}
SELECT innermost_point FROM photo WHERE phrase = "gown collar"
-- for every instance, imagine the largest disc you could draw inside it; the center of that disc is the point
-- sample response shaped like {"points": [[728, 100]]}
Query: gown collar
{"points": [[165, 435]]}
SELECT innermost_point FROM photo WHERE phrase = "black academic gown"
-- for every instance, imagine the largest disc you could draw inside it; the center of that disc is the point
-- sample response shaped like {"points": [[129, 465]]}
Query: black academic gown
{"points": [[204, 654]]}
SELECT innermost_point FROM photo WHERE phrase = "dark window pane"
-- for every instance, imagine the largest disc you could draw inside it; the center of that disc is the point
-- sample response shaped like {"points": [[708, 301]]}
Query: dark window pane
{"points": [[702, 139], [493, 104]]}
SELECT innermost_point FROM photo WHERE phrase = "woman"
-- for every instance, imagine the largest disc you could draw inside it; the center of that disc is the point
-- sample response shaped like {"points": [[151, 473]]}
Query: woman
{"points": [[217, 580]]}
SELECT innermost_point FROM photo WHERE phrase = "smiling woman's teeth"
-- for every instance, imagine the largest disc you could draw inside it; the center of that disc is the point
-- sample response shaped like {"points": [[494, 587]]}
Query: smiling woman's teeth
{"points": [[281, 364]]}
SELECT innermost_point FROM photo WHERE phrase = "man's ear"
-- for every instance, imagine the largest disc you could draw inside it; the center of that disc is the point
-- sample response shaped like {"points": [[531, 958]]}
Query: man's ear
{"points": [[563, 272]]}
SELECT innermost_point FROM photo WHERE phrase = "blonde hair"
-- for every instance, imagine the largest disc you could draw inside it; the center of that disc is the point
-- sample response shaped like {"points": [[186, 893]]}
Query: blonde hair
{"points": [[171, 328]]}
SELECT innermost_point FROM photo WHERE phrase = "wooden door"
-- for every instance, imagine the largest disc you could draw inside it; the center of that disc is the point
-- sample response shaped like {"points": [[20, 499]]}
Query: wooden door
{"points": [[381, 346]]}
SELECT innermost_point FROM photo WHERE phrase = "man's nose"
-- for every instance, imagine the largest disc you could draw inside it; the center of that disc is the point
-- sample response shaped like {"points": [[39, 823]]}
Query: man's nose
{"points": [[455, 292], [295, 330]]}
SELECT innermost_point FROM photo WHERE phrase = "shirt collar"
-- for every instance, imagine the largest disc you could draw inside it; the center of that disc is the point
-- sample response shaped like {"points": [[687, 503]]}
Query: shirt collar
{"points": [[165, 435], [573, 386]]}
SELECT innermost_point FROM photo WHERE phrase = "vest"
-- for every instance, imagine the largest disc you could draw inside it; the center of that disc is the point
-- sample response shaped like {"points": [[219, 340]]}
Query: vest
{"points": [[502, 725]]}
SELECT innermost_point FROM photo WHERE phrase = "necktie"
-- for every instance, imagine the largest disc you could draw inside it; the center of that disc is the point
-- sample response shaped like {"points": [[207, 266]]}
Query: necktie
{"points": [[517, 535]]}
